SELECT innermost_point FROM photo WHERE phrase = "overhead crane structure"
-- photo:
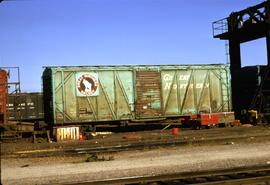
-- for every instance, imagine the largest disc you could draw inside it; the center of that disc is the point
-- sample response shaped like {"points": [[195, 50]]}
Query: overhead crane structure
{"points": [[246, 25]]}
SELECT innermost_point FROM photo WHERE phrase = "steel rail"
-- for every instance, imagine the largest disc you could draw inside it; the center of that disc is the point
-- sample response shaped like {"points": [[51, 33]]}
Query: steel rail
{"points": [[127, 146], [233, 176]]}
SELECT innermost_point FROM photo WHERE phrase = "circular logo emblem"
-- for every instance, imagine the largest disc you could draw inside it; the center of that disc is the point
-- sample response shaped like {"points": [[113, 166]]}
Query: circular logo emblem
{"points": [[87, 84]]}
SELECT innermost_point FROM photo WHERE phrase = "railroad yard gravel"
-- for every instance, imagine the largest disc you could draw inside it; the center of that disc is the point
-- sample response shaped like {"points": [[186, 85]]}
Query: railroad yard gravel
{"points": [[64, 170]]}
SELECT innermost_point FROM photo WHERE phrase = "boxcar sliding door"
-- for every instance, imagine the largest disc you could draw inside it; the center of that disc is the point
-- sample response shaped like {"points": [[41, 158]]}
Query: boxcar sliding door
{"points": [[148, 94]]}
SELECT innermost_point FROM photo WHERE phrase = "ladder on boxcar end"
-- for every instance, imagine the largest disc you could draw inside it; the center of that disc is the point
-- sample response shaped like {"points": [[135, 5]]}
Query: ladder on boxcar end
{"points": [[225, 95]]}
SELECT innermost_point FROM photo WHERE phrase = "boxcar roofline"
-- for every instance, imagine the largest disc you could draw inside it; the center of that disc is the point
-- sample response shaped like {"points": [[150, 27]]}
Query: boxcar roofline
{"points": [[132, 67]]}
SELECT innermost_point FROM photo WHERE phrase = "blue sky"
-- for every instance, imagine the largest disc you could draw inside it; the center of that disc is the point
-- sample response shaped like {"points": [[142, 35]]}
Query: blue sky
{"points": [[36, 33]]}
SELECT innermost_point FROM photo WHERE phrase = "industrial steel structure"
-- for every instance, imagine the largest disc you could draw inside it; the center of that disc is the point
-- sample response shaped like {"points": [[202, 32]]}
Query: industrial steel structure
{"points": [[243, 26]]}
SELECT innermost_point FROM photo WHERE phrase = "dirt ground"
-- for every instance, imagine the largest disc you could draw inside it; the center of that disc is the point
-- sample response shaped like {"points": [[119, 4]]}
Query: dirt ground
{"points": [[60, 169], [134, 137]]}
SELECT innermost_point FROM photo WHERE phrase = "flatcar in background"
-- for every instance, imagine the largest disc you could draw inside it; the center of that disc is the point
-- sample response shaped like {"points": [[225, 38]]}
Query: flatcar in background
{"points": [[92, 95]]}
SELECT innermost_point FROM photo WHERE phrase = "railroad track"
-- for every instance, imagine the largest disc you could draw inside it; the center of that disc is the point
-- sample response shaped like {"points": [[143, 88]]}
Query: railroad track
{"points": [[128, 146], [256, 175]]}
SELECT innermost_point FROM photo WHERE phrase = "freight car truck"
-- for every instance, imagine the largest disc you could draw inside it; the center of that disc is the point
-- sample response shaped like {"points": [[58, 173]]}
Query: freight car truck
{"points": [[91, 95]]}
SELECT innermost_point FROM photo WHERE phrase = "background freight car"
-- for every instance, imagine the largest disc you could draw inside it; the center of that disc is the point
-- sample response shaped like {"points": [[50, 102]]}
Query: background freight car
{"points": [[78, 95], [3, 96], [25, 107], [250, 80], [255, 88]]}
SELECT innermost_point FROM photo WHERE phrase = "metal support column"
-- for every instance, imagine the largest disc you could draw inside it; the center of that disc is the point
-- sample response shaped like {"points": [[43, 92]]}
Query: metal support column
{"points": [[235, 58], [268, 48], [267, 12]]}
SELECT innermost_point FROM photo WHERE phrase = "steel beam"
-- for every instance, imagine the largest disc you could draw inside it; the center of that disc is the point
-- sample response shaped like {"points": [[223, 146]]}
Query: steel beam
{"points": [[235, 58], [268, 48], [267, 12]]}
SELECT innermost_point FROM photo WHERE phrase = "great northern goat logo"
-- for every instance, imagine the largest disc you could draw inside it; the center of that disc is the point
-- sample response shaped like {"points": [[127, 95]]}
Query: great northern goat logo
{"points": [[87, 84]]}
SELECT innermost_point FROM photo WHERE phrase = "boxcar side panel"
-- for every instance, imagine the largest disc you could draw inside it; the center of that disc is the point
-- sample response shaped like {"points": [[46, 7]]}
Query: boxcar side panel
{"points": [[90, 95], [195, 90]]}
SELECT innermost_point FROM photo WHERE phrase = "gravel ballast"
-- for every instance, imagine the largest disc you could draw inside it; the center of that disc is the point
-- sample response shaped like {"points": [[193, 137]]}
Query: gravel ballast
{"points": [[134, 163]]}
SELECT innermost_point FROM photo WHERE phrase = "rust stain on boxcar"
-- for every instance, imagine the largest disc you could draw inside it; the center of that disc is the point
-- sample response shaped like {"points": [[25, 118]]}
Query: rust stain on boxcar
{"points": [[3, 97], [148, 89]]}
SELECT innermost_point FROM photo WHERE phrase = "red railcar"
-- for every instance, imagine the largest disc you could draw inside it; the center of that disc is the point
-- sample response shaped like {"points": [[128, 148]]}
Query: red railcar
{"points": [[3, 97]]}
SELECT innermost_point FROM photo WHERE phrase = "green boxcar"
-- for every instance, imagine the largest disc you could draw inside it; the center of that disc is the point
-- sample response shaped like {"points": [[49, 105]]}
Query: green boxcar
{"points": [[91, 94]]}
